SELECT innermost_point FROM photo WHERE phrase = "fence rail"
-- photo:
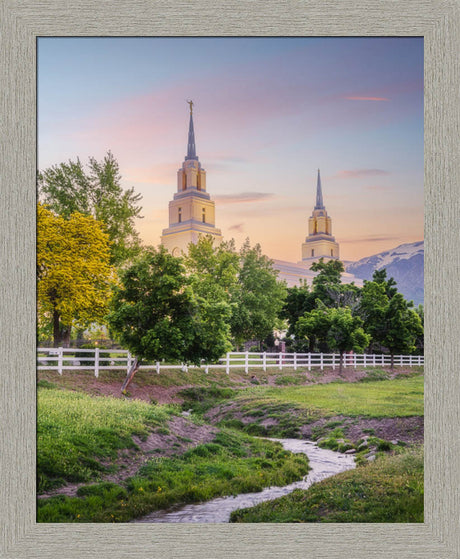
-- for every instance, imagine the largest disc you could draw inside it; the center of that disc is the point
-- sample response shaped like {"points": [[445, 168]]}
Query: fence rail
{"points": [[68, 359]]}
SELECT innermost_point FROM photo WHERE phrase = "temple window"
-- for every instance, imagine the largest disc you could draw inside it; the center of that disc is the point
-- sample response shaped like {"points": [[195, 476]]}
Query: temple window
{"points": [[313, 252], [204, 215], [180, 215]]}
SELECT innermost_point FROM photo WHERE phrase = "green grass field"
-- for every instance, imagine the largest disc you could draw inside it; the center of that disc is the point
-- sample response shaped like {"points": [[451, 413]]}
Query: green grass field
{"points": [[401, 397], [387, 490]]}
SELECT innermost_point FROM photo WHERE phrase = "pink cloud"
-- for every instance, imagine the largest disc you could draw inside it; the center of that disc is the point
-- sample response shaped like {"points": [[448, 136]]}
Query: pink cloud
{"points": [[356, 173], [362, 98], [242, 197]]}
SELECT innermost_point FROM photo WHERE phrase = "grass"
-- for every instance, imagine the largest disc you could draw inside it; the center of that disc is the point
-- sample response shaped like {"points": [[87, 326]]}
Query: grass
{"points": [[233, 463], [402, 397], [74, 430], [387, 490]]}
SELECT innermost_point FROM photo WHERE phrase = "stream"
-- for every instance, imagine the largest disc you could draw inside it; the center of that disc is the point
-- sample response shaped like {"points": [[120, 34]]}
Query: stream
{"points": [[323, 462]]}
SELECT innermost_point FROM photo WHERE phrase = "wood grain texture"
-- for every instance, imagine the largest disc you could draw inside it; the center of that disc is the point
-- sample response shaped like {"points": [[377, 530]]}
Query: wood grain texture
{"points": [[21, 22]]}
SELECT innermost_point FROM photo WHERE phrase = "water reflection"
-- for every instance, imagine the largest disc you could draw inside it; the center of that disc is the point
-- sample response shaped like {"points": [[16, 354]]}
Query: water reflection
{"points": [[324, 463]]}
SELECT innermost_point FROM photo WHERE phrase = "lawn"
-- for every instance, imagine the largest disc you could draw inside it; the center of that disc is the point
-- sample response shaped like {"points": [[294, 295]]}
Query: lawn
{"points": [[402, 397]]}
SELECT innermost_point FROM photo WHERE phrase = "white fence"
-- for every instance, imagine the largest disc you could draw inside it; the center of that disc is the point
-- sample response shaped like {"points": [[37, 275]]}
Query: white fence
{"points": [[65, 359]]}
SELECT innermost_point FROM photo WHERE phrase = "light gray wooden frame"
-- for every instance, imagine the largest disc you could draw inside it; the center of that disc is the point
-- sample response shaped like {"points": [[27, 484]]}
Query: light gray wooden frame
{"points": [[21, 22]]}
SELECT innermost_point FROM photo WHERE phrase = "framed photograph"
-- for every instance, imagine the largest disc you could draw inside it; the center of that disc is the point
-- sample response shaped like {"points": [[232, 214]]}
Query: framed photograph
{"points": [[22, 24]]}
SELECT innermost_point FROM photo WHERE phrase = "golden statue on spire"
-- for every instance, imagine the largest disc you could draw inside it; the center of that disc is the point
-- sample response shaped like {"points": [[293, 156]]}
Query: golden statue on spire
{"points": [[191, 105]]}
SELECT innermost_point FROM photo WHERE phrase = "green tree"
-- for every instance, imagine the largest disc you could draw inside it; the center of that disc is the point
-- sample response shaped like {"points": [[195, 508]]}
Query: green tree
{"points": [[337, 327], [74, 277], [380, 277], [68, 188], [257, 297], [328, 286], [372, 309], [402, 327], [157, 314]]}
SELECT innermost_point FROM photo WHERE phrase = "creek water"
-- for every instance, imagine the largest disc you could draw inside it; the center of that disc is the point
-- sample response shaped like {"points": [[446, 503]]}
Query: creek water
{"points": [[324, 463]]}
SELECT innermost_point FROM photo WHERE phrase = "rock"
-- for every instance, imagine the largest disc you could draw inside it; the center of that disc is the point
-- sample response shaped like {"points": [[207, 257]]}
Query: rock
{"points": [[341, 441], [395, 441], [350, 451], [362, 446], [369, 455], [371, 458]]}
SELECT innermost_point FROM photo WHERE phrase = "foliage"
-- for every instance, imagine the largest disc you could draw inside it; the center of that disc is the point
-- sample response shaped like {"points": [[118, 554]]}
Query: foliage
{"points": [[158, 316], [75, 431], [388, 490], [258, 296], [380, 277], [73, 271], [68, 188], [402, 326], [336, 326]]}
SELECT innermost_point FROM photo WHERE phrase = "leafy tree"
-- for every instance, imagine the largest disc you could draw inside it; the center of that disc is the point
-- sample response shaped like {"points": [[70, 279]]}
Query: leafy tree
{"points": [[328, 286], [73, 272], [299, 300], [402, 327], [68, 188], [158, 316], [372, 308], [380, 277], [337, 327], [257, 297]]}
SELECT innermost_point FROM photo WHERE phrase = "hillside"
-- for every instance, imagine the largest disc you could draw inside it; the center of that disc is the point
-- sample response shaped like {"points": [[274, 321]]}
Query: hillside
{"points": [[404, 263]]}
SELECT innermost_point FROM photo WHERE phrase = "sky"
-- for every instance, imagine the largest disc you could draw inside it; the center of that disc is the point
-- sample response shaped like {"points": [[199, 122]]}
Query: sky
{"points": [[268, 112]]}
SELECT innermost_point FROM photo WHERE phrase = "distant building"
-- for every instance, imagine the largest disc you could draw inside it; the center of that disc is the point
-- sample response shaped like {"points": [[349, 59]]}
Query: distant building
{"points": [[320, 243], [191, 212]]}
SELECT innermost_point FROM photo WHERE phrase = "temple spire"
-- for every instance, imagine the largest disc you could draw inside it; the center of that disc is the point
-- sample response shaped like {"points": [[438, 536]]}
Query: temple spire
{"points": [[319, 194], [191, 149]]}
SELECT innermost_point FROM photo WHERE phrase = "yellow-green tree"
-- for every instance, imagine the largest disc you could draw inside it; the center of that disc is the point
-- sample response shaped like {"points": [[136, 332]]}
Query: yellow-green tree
{"points": [[74, 276]]}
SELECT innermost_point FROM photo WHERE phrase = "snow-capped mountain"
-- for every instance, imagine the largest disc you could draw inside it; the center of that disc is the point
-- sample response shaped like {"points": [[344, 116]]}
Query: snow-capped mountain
{"points": [[403, 263]]}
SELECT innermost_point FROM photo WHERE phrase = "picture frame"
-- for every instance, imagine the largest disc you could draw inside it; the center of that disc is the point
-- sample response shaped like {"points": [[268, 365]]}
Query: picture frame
{"points": [[22, 21]]}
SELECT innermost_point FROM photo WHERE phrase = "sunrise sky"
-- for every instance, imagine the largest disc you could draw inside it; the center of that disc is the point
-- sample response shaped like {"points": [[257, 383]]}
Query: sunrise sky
{"points": [[268, 112]]}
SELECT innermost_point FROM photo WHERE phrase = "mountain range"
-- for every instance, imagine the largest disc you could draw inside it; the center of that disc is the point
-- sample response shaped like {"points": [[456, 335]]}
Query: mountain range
{"points": [[403, 263]]}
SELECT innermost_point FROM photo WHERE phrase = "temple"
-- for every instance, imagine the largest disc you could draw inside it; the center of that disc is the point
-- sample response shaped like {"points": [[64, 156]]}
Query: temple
{"points": [[319, 243], [191, 212]]}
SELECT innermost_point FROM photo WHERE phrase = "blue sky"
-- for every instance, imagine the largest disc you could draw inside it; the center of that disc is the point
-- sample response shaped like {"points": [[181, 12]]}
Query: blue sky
{"points": [[268, 112]]}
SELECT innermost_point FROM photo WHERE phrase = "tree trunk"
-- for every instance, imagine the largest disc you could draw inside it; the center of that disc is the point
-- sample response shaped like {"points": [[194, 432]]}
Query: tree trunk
{"points": [[130, 375], [61, 334]]}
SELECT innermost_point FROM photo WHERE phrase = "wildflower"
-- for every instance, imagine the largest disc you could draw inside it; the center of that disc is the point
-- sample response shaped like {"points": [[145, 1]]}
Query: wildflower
{"points": [[159, 489], [141, 489]]}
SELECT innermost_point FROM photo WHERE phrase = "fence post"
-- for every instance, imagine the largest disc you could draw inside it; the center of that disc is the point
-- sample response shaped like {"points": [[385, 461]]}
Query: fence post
{"points": [[333, 361], [321, 360], [227, 368], [383, 360], [410, 360], [246, 363], [373, 359], [295, 361], [158, 367], [419, 359], [400, 360], [365, 362], [309, 361], [264, 362], [206, 369], [96, 362], [60, 352]]}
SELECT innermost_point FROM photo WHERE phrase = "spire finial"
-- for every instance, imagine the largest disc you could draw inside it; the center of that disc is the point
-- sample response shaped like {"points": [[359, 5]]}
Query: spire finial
{"points": [[319, 194], [191, 150]]}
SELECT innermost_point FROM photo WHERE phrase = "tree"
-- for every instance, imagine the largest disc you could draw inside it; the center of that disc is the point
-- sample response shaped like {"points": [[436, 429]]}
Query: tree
{"points": [[257, 297], [158, 316], [67, 188], [337, 327], [372, 308], [380, 277], [73, 271], [328, 287], [402, 327]]}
